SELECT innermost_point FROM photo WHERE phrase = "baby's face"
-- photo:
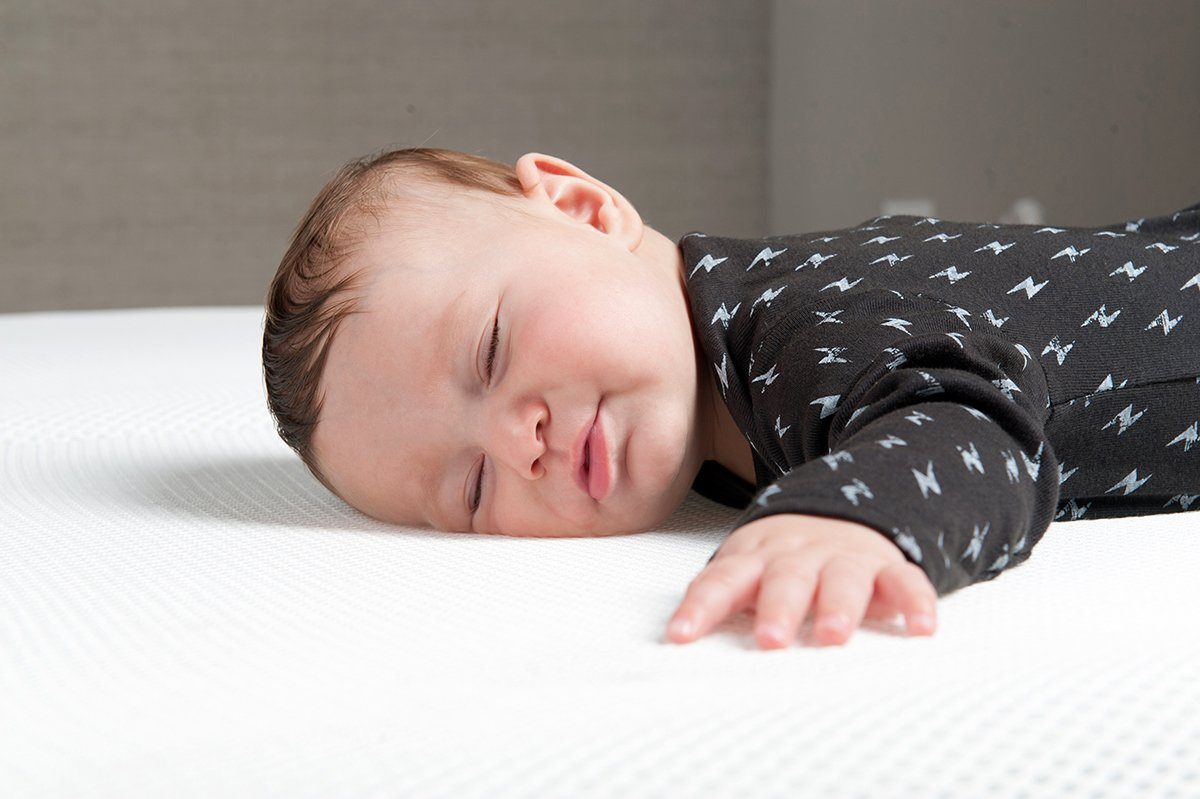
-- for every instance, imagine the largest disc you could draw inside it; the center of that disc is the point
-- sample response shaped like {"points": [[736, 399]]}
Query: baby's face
{"points": [[592, 316]]}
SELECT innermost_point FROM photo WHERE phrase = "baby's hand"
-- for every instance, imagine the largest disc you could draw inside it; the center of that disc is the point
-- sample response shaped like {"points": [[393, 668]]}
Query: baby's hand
{"points": [[852, 569]]}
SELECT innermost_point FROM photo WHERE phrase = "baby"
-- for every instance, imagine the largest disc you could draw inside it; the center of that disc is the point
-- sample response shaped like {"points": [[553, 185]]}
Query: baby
{"points": [[897, 407]]}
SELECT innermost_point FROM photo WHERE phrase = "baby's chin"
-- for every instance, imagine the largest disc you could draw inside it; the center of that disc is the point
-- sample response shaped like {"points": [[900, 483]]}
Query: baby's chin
{"points": [[644, 520]]}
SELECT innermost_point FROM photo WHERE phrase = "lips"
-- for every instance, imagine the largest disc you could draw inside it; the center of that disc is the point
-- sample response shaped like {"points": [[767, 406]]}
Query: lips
{"points": [[585, 447], [599, 472]]}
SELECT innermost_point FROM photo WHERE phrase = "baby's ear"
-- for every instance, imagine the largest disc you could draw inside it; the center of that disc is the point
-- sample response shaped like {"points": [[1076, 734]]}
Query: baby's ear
{"points": [[578, 195]]}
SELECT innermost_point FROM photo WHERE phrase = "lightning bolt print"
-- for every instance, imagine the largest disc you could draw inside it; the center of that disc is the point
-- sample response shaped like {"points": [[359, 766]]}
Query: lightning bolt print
{"points": [[846, 384]]}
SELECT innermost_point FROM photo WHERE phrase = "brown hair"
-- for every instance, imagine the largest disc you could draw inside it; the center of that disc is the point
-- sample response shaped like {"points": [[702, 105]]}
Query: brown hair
{"points": [[306, 302]]}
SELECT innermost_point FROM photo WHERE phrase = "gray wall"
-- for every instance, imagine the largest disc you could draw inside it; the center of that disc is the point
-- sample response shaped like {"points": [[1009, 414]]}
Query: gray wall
{"points": [[1090, 108], [159, 152]]}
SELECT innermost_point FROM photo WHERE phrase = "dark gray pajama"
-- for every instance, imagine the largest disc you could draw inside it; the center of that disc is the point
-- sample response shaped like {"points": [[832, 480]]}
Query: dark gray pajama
{"points": [[957, 386]]}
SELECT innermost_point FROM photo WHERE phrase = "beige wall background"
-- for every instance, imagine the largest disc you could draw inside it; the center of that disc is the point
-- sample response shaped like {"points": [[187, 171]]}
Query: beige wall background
{"points": [[1092, 109], [157, 152], [160, 152]]}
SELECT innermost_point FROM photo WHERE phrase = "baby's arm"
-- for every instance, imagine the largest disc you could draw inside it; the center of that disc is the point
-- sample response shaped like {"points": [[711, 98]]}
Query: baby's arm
{"points": [[936, 445], [779, 563]]}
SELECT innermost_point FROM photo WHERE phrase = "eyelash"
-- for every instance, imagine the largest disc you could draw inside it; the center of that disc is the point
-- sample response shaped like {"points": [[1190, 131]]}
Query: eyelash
{"points": [[490, 360]]}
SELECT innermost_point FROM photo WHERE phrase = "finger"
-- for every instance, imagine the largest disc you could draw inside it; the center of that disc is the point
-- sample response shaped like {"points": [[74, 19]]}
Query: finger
{"points": [[784, 596], [908, 588], [846, 585], [726, 586]]}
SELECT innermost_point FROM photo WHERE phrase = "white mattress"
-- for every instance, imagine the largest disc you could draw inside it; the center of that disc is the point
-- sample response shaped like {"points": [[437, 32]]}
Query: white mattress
{"points": [[185, 612]]}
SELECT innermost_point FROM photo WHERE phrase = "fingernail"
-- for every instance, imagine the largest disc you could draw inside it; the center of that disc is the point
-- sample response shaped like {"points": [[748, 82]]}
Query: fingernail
{"points": [[772, 632], [920, 622], [681, 627]]}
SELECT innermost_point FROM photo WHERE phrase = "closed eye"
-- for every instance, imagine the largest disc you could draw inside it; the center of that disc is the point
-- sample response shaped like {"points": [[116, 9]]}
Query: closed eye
{"points": [[492, 350], [491, 359]]}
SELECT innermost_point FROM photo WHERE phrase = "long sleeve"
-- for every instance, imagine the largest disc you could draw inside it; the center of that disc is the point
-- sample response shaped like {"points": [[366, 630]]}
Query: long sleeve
{"points": [[915, 418]]}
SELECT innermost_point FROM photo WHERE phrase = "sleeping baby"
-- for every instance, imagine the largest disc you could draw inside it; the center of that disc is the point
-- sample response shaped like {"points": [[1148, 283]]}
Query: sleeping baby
{"points": [[898, 409]]}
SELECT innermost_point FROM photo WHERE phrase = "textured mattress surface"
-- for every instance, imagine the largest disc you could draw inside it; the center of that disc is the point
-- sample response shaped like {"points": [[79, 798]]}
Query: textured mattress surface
{"points": [[184, 612]]}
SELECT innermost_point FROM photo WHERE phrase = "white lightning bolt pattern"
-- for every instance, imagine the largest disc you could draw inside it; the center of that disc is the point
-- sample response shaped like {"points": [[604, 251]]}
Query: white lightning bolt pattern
{"points": [[1164, 321], [721, 373], [1010, 466], [856, 489], [991, 317], [1030, 287], [1071, 508], [1102, 317], [932, 386], [1187, 437], [1133, 227], [942, 237], [961, 313], [1129, 270], [1158, 245], [975, 547], [828, 404], [1184, 500], [1125, 418], [1105, 385], [765, 257], [828, 316], [1064, 476], [825, 239], [957, 339], [891, 258], [996, 247], [723, 315], [970, 459], [843, 284], [1032, 467], [832, 354], [1130, 483], [898, 361], [834, 458], [1058, 349], [1001, 561], [1071, 253], [1007, 387], [891, 441], [927, 482], [1110, 234], [1051, 230], [778, 430], [918, 418], [815, 260], [854, 415], [951, 273], [927, 220], [766, 297], [899, 324], [908, 543], [769, 376], [1194, 280], [708, 262], [878, 240]]}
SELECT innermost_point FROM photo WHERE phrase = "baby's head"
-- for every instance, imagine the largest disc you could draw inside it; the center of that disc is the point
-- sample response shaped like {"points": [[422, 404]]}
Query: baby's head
{"points": [[378, 335]]}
